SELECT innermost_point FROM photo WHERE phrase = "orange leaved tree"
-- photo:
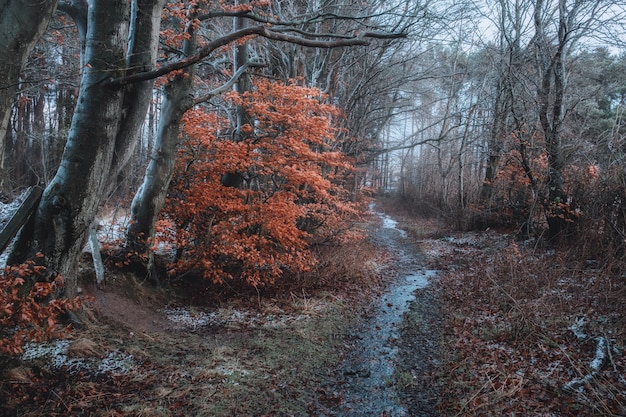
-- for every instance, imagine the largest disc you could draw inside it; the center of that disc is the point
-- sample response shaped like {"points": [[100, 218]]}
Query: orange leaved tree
{"points": [[289, 189]]}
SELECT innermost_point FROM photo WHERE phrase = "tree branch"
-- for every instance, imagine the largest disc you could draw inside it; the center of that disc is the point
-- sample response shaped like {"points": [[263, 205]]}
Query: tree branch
{"points": [[263, 31], [226, 86], [319, 18]]}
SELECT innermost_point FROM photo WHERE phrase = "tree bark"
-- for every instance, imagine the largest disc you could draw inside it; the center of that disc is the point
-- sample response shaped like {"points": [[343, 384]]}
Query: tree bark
{"points": [[21, 25], [94, 150], [142, 55], [551, 93], [241, 60], [150, 197]]}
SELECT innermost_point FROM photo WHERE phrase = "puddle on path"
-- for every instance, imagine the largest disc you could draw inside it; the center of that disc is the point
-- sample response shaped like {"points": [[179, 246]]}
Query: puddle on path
{"points": [[389, 223], [367, 387]]}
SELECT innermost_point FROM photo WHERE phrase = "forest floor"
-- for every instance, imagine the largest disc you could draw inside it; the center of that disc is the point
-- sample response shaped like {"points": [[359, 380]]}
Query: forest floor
{"points": [[502, 328]]}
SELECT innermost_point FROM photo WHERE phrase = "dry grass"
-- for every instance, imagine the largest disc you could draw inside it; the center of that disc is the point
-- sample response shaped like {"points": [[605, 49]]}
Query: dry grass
{"points": [[85, 348], [265, 354], [511, 347], [509, 311]]}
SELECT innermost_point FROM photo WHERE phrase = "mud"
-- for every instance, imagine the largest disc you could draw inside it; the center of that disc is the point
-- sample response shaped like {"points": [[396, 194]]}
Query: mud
{"points": [[369, 382]]}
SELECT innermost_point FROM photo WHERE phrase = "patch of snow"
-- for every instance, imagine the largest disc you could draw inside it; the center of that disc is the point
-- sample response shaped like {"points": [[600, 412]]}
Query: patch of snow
{"points": [[472, 240], [6, 212], [231, 370], [577, 327], [55, 351], [112, 228], [595, 365], [190, 319], [55, 354], [600, 356], [116, 363], [193, 319], [502, 348]]}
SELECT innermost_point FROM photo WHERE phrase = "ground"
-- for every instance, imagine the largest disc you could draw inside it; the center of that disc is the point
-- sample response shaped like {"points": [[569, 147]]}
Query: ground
{"points": [[491, 334], [525, 329]]}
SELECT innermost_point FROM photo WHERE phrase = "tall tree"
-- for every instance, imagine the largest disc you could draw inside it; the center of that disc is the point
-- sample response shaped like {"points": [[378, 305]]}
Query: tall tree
{"points": [[102, 133], [508, 57], [571, 20], [180, 97], [121, 45], [21, 24]]}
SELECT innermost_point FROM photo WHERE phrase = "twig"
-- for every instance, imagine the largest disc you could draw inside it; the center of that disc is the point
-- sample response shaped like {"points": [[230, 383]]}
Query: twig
{"points": [[466, 403], [53, 392]]}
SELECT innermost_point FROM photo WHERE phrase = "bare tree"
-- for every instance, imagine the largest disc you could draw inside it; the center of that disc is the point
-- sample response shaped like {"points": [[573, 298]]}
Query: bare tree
{"points": [[559, 25], [21, 25]]}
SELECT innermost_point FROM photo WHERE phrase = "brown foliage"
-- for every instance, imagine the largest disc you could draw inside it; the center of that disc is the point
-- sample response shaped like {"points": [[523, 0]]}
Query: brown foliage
{"points": [[290, 189], [28, 311]]}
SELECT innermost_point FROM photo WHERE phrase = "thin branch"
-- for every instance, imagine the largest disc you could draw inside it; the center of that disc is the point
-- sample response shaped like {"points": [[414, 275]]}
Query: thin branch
{"points": [[319, 18], [263, 31], [226, 86]]}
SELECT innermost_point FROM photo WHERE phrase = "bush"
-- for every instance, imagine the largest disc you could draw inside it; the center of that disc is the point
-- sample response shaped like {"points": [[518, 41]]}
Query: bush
{"points": [[289, 189]]}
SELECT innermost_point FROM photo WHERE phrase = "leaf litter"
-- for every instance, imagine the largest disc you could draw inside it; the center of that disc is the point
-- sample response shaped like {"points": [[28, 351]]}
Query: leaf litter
{"points": [[498, 336]]}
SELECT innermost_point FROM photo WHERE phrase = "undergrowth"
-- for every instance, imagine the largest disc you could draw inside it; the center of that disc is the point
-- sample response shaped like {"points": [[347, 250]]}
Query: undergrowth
{"points": [[264, 353], [532, 332]]}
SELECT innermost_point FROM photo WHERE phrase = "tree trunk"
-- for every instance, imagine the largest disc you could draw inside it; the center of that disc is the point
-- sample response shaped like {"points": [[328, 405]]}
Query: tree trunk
{"points": [[150, 197], [21, 25], [550, 96], [243, 83], [241, 60], [93, 152], [494, 145], [143, 49]]}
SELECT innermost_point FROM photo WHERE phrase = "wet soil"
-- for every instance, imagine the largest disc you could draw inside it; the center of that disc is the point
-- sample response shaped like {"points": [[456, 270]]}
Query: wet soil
{"points": [[393, 351]]}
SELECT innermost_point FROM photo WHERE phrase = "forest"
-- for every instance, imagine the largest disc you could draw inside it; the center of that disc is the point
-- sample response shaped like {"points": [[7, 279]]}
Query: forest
{"points": [[229, 161]]}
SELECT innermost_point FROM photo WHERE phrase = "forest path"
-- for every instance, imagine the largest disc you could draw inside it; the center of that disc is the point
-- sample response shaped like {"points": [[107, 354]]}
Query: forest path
{"points": [[311, 355], [370, 379]]}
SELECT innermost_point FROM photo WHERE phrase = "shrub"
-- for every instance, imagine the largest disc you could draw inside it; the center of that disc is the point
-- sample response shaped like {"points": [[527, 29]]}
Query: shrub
{"points": [[289, 190]]}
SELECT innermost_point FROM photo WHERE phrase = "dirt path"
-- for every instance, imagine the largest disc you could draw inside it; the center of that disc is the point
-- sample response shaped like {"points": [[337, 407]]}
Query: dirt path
{"points": [[302, 355], [385, 373]]}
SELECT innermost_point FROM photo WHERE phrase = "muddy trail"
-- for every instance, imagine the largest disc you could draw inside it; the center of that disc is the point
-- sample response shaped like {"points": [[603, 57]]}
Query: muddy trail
{"points": [[386, 370]]}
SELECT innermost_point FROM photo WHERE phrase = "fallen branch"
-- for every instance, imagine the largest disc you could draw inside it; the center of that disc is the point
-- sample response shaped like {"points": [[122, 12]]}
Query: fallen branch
{"points": [[95, 254], [602, 349], [20, 217]]}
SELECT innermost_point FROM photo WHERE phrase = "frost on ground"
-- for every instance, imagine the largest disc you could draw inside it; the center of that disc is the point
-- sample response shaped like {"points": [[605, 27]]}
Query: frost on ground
{"points": [[192, 319], [56, 355], [6, 212], [599, 359]]}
